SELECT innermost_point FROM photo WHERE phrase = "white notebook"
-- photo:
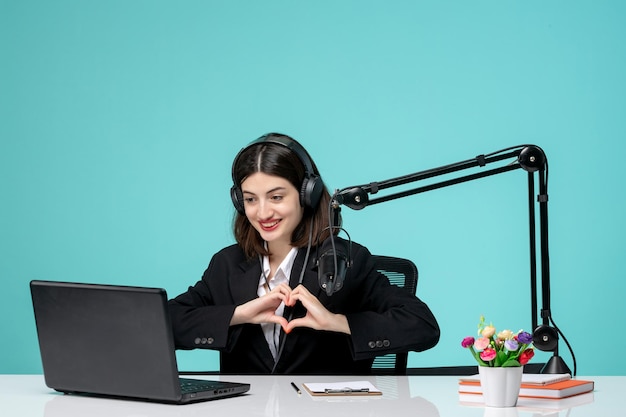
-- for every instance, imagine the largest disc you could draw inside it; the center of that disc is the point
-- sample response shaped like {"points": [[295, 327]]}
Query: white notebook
{"points": [[342, 388]]}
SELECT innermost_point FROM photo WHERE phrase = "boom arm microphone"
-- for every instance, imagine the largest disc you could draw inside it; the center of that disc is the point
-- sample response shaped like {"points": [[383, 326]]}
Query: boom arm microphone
{"points": [[333, 263], [335, 260]]}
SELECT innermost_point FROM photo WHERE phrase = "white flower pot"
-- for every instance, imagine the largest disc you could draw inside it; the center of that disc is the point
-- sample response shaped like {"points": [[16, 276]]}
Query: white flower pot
{"points": [[500, 386]]}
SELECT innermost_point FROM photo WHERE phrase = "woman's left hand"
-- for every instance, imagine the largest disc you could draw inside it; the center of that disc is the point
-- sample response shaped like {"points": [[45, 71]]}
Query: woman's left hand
{"points": [[317, 316]]}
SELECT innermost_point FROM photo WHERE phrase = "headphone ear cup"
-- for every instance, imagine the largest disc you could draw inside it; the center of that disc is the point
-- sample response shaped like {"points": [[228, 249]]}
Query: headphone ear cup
{"points": [[237, 196], [311, 191], [545, 338]]}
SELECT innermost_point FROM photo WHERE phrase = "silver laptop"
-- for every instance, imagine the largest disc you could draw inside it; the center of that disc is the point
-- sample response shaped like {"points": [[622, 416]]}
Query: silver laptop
{"points": [[111, 340]]}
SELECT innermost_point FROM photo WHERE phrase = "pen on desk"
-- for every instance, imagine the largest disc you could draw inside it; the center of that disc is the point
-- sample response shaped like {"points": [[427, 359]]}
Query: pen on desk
{"points": [[296, 388]]}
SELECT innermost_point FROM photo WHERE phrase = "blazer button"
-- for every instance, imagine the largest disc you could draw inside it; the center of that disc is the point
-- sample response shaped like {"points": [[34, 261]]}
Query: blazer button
{"points": [[379, 343], [386, 343], [197, 341], [372, 344], [203, 341], [210, 340]]}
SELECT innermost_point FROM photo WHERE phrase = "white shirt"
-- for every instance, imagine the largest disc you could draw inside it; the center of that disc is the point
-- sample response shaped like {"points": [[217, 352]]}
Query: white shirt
{"points": [[282, 274]]}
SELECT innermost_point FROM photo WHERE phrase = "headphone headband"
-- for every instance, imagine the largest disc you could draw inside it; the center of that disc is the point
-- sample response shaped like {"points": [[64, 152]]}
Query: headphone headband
{"points": [[312, 185]]}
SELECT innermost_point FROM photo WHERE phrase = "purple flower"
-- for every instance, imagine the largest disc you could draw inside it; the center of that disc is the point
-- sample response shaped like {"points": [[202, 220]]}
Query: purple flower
{"points": [[467, 342], [525, 338], [511, 345]]}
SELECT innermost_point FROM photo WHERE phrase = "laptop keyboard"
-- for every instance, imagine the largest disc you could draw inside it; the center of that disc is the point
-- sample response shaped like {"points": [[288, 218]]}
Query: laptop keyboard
{"points": [[198, 385]]}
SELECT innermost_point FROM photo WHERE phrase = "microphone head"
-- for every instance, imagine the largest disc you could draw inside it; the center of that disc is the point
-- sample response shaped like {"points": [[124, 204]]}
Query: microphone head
{"points": [[329, 279]]}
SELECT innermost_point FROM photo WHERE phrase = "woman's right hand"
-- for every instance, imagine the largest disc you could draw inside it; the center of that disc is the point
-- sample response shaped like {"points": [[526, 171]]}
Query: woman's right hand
{"points": [[262, 309]]}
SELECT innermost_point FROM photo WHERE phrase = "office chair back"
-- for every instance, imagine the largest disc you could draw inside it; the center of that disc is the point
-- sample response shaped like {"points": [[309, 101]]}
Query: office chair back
{"points": [[403, 273]]}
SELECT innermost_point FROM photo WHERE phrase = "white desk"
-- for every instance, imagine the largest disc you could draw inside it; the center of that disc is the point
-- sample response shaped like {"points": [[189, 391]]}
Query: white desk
{"points": [[423, 396]]}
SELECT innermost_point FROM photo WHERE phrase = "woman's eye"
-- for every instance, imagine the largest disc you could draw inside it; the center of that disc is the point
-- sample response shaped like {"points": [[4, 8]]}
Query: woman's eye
{"points": [[249, 199], [277, 197]]}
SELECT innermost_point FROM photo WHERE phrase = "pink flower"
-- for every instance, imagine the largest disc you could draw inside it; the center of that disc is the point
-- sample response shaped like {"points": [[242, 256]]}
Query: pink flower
{"points": [[467, 342], [488, 354], [526, 356], [481, 343]]}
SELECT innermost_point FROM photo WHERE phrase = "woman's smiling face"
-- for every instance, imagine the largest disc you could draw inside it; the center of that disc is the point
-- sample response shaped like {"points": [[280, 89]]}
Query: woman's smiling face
{"points": [[272, 206]]}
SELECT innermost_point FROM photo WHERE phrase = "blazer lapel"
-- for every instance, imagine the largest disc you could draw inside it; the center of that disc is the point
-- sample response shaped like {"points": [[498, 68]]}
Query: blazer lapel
{"points": [[309, 280], [243, 287], [245, 282]]}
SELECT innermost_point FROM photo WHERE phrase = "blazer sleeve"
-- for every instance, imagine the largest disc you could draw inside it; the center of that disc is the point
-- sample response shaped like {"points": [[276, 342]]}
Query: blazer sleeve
{"points": [[201, 315], [387, 318]]}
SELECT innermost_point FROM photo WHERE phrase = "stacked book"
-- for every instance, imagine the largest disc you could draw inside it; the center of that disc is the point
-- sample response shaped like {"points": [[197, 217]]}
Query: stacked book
{"points": [[538, 390]]}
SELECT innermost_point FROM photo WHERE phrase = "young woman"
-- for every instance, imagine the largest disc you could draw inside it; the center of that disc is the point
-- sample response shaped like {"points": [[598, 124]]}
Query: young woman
{"points": [[260, 303]]}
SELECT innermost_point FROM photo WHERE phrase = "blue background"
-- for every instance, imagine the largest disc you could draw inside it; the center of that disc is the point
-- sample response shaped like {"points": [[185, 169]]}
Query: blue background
{"points": [[120, 119]]}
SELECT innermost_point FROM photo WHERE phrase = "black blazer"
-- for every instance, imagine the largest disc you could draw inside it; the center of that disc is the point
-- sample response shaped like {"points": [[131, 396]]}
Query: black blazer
{"points": [[382, 317]]}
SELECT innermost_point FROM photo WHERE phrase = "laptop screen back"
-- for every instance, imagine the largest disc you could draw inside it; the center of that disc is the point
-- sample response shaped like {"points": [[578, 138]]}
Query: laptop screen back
{"points": [[110, 340]]}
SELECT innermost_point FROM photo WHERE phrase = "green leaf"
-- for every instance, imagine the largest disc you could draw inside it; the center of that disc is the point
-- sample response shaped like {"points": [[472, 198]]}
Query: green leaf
{"points": [[501, 358], [511, 363], [477, 356]]}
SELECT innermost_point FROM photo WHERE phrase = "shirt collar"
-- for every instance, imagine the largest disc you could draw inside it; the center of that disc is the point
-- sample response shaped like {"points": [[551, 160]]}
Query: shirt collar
{"points": [[283, 272]]}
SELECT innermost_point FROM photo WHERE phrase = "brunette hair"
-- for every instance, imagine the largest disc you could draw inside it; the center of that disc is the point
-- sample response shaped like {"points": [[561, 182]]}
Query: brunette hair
{"points": [[276, 159]]}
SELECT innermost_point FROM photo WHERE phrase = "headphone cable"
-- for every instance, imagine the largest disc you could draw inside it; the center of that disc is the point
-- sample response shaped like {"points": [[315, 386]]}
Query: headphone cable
{"points": [[300, 279]]}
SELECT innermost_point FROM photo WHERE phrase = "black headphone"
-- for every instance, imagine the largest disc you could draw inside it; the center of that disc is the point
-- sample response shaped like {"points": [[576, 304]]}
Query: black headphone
{"points": [[312, 185]]}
